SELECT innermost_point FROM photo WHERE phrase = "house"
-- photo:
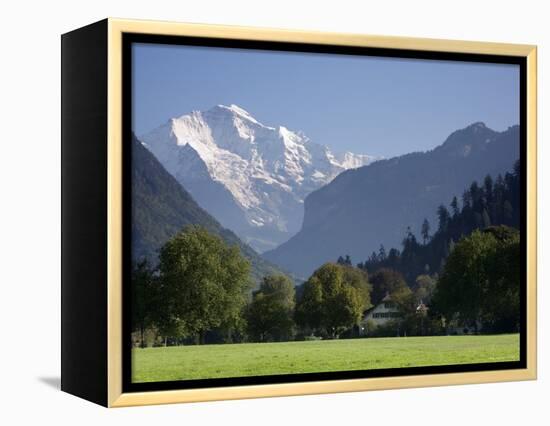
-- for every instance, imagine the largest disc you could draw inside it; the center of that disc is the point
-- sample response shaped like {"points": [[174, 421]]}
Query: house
{"points": [[387, 310], [382, 313]]}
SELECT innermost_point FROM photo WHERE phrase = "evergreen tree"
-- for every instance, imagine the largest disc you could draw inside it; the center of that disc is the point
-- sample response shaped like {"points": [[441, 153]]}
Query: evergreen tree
{"points": [[373, 258], [382, 253], [454, 207], [344, 260], [443, 216], [425, 231], [485, 219], [488, 188]]}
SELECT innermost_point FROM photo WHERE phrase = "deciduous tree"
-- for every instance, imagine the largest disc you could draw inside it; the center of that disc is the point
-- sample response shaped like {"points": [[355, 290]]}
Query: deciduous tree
{"points": [[204, 282], [385, 281], [270, 313], [480, 282], [334, 299]]}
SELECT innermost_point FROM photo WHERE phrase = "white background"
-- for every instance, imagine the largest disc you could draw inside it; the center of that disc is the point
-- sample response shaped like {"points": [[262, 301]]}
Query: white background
{"points": [[30, 211]]}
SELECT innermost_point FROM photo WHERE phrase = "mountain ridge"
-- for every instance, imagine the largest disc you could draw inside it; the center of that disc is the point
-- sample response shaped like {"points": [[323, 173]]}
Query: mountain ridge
{"points": [[372, 205], [251, 177]]}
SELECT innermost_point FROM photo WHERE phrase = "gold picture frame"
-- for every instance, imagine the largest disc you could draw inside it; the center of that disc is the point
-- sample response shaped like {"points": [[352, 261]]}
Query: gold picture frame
{"points": [[114, 30]]}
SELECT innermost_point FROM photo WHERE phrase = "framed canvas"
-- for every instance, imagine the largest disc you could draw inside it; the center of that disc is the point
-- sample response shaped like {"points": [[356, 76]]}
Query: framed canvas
{"points": [[255, 212]]}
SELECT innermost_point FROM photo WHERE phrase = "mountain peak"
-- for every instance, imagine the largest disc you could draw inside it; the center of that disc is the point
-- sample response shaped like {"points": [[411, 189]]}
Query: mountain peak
{"points": [[474, 128], [475, 134], [478, 125], [259, 175], [235, 110]]}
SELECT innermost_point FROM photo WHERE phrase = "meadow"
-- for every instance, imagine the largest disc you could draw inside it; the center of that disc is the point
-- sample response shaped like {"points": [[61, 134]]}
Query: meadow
{"points": [[255, 359]]}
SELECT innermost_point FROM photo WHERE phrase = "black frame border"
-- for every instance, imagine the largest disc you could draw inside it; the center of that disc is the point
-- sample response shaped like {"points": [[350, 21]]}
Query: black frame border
{"points": [[130, 38]]}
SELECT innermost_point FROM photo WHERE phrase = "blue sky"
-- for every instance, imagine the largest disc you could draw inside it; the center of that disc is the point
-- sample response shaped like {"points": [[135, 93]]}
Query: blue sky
{"points": [[370, 105]]}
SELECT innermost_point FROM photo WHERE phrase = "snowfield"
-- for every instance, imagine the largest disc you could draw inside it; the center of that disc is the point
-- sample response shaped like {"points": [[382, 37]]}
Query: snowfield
{"points": [[251, 177]]}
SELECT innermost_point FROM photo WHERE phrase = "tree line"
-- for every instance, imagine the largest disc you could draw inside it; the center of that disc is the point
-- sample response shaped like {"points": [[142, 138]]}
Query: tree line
{"points": [[200, 292]]}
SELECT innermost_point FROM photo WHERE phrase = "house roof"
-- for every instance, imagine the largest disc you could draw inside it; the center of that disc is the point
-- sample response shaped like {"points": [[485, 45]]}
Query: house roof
{"points": [[387, 298], [368, 310]]}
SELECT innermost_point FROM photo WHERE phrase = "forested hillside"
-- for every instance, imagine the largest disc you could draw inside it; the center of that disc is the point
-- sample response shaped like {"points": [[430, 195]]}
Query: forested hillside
{"points": [[492, 202]]}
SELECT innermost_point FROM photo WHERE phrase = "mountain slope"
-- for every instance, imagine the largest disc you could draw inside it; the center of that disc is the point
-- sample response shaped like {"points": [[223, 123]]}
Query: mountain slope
{"points": [[362, 208], [485, 205], [252, 178], [161, 207]]}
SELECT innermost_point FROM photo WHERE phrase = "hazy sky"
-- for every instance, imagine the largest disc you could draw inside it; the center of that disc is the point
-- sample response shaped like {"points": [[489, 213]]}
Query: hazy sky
{"points": [[370, 105]]}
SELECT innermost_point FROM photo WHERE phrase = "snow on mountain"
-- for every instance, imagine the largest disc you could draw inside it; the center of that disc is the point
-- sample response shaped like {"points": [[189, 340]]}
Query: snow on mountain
{"points": [[253, 178]]}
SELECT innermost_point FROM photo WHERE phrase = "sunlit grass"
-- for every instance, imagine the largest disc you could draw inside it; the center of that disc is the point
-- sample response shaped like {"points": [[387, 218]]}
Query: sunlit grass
{"points": [[254, 359]]}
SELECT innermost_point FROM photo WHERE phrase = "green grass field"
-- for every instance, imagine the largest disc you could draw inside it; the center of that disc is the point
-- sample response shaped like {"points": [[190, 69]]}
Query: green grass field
{"points": [[254, 359]]}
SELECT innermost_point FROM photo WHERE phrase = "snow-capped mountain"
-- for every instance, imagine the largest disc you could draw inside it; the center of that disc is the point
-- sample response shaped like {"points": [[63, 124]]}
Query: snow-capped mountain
{"points": [[252, 178]]}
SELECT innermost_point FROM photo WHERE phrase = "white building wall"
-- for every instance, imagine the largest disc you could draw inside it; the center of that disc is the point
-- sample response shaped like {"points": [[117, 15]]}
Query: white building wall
{"points": [[382, 313]]}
